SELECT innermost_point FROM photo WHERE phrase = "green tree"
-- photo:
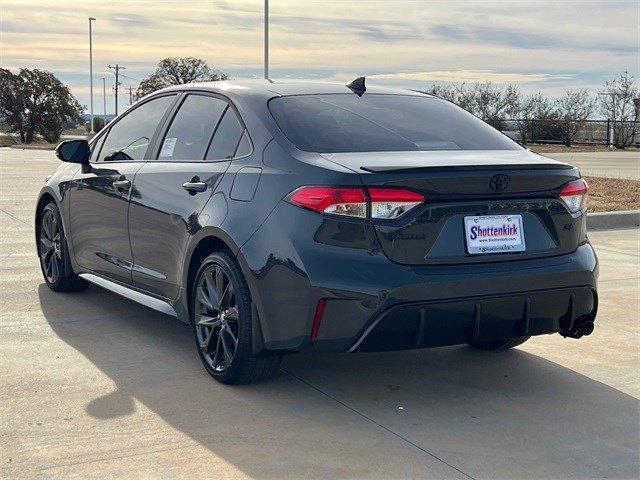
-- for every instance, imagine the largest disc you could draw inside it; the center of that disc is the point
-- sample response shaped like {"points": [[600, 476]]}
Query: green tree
{"points": [[36, 102], [178, 71], [12, 102], [98, 124]]}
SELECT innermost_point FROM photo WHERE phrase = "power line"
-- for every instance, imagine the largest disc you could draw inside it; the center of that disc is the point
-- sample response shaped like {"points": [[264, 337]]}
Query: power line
{"points": [[116, 68]]}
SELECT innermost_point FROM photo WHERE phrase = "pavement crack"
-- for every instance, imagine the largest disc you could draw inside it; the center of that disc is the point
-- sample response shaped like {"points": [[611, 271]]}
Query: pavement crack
{"points": [[16, 218], [378, 424]]}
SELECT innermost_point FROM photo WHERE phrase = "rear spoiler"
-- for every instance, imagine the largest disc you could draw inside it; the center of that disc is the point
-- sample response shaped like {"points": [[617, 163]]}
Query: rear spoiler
{"points": [[449, 168]]}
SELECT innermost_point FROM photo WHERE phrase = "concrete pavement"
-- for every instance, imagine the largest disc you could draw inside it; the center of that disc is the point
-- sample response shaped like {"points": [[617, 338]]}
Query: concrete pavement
{"points": [[93, 385]]}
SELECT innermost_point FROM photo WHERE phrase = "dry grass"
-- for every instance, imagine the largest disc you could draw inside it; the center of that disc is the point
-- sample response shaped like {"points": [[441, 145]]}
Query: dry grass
{"points": [[611, 194]]}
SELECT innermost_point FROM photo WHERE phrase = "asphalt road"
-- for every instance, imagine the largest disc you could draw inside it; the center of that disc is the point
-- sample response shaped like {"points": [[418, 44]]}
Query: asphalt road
{"points": [[616, 163], [95, 386]]}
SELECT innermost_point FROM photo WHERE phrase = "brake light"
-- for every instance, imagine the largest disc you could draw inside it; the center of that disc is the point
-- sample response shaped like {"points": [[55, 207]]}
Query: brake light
{"points": [[574, 195], [383, 203], [391, 202], [350, 202]]}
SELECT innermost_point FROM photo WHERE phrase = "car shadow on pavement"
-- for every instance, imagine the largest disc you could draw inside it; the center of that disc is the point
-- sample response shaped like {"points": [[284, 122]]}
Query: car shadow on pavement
{"points": [[502, 415]]}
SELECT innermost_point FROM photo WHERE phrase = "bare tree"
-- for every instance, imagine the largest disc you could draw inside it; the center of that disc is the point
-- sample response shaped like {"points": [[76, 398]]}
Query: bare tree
{"points": [[492, 102], [461, 94], [573, 109], [178, 71], [616, 102]]}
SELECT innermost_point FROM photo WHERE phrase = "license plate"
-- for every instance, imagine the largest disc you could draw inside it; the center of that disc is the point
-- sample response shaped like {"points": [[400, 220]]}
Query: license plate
{"points": [[494, 234]]}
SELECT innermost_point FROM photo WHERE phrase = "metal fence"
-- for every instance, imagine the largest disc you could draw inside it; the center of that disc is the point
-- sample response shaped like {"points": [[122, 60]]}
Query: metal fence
{"points": [[589, 132]]}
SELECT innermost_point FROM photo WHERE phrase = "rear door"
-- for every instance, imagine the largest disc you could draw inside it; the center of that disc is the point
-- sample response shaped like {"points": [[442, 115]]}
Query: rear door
{"points": [[173, 187], [99, 196]]}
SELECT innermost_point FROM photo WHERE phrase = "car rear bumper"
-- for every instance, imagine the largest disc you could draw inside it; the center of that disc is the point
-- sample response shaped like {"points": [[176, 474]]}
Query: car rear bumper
{"points": [[297, 258], [480, 319]]}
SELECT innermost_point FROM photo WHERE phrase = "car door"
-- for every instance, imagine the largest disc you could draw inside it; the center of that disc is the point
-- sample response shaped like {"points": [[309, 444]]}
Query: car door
{"points": [[172, 188], [99, 196]]}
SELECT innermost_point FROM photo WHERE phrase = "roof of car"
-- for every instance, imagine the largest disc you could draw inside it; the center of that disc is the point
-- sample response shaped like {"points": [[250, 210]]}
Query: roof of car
{"points": [[281, 88]]}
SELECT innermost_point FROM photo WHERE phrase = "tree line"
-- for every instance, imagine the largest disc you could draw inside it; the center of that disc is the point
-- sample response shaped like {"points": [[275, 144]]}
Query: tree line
{"points": [[539, 117], [36, 102]]}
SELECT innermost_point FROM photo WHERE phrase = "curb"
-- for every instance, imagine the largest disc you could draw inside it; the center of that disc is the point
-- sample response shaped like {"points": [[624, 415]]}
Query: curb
{"points": [[613, 220], [34, 147]]}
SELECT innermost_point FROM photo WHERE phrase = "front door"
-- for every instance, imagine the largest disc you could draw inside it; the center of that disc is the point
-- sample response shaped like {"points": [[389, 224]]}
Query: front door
{"points": [[99, 196], [173, 187]]}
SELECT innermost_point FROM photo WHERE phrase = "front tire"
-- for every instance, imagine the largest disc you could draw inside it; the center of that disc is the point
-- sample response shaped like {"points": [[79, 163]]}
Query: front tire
{"points": [[499, 345], [53, 252], [221, 322]]}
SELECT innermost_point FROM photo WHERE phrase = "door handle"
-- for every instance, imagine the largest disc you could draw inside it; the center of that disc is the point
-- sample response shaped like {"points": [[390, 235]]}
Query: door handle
{"points": [[194, 186], [121, 184]]}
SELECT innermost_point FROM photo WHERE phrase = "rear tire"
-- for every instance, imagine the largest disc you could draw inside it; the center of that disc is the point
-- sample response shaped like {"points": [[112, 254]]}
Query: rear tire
{"points": [[53, 252], [498, 345], [221, 322]]}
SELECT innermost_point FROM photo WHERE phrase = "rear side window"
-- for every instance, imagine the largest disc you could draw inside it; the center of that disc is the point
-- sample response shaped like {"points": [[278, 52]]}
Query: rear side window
{"points": [[129, 138], [373, 122], [227, 136], [244, 147], [192, 128]]}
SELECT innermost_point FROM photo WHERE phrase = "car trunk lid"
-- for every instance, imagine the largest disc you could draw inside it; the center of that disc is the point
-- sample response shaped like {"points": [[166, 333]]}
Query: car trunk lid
{"points": [[459, 184]]}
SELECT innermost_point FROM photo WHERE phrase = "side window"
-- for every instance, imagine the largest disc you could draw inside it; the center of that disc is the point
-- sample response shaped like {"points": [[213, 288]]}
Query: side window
{"points": [[191, 129], [129, 138], [95, 148], [244, 147], [227, 136]]}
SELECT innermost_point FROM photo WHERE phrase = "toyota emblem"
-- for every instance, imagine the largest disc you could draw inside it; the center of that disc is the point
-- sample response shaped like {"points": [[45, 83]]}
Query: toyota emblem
{"points": [[498, 183]]}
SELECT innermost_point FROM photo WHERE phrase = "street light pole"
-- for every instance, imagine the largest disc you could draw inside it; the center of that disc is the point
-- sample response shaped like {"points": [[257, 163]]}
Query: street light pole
{"points": [[91, 19], [104, 99], [266, 39]]}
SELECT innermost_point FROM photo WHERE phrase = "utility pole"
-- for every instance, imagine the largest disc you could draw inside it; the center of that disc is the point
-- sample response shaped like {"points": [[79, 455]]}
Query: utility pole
{"points": [[91, 19], [266, 39], [116, 68], [104, 99]]}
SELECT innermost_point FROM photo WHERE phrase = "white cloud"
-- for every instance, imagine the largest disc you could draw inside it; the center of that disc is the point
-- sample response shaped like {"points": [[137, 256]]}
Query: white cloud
{"points": [[469, 76]]}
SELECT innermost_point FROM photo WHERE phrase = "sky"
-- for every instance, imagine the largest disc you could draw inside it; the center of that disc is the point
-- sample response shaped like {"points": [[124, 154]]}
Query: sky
{"points": [[546, 46]]}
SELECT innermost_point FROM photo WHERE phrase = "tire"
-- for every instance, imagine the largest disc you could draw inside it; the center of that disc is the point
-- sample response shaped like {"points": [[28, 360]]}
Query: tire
{"points": [[53, 253], [498, 345], [221, 321]]}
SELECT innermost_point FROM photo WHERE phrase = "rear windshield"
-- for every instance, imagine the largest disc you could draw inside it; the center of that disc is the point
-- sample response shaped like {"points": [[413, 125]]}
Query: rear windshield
{"points": [[382, 123]]}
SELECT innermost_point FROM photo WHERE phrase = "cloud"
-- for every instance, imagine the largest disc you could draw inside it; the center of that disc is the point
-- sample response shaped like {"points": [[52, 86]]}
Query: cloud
{"points": [[469, 76], [130, 21], [523, 39]]}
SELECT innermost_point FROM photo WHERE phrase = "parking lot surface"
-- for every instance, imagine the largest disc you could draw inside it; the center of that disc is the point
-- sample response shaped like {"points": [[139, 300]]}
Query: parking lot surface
{"points": [[615, 163], [95, 386]]}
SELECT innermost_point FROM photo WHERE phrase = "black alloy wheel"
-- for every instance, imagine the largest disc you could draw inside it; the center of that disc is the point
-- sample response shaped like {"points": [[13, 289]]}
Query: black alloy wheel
{"points": [[50, 247], [222, 323], [216, 318], [53, 253]]}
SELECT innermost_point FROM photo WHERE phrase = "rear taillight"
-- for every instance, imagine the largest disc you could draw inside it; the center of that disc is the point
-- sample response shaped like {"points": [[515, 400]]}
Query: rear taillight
{"points": [[574, 195], [392, 202], [334, 200], [383, 203]]}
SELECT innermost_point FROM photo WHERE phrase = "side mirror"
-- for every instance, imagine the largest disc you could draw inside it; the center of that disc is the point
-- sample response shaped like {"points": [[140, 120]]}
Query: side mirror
{"points": [[74, 151]]}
